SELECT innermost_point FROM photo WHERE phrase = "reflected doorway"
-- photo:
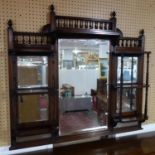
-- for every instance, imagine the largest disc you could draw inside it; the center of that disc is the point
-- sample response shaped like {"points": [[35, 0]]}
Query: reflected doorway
{"points": [[83, 80]]}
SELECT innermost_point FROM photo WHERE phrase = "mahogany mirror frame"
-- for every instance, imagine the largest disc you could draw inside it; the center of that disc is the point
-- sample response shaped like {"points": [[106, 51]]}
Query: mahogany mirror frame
{"points": [[65, 27]]}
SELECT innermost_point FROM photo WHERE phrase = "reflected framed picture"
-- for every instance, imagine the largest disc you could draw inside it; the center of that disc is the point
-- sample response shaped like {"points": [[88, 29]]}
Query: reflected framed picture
{"points": [[103, 63]]}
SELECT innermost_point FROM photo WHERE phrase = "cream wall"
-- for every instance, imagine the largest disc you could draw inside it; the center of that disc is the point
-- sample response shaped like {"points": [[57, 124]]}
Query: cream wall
{"points": [[30, 15]]}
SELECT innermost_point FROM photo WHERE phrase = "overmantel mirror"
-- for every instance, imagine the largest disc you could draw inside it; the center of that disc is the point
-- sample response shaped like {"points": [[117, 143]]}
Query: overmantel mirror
{"points": [[78, 78]]}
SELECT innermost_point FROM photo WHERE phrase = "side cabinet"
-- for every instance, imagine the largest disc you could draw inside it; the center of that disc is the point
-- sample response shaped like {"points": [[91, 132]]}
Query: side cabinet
{"points": [[32, 89]]}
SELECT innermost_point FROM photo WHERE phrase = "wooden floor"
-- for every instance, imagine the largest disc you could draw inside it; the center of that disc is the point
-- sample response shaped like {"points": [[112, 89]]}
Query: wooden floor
{"points": [[143, 144]]}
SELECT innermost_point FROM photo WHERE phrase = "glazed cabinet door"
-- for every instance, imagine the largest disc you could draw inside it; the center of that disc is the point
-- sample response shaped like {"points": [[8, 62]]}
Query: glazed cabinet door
{"points": [[32, 99]]}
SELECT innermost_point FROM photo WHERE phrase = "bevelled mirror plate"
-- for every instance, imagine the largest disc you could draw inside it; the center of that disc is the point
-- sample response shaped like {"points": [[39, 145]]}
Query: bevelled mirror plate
{"points": [[83, 69], [32, 71]]}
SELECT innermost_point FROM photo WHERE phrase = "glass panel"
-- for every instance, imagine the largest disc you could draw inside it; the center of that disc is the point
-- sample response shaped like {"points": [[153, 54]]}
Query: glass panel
{"points": [[33, 108], [126, 83], [129, 69], [32, 71], [128, 100], [83, 68]]}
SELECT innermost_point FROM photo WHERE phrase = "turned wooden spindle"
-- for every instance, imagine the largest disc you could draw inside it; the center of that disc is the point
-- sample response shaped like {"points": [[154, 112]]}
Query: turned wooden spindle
{"points": [[81, 24], [96, 25], [86, 24], [105, 26], [101, 25]]}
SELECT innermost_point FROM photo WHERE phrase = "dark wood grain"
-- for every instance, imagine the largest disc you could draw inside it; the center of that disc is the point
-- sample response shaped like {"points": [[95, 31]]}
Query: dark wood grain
{"points": [[142, 144]]}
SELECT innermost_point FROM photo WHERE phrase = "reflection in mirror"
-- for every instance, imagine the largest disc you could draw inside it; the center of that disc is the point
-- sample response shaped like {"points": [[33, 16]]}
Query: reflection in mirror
{"points": [[32, 108], [128, 99], [129, 69], [83, 78], [32, 71], [127, 82]]}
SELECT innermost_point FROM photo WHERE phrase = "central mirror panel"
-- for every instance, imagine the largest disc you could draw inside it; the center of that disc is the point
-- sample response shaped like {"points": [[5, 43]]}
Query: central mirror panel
{"points": [[83, 84]]}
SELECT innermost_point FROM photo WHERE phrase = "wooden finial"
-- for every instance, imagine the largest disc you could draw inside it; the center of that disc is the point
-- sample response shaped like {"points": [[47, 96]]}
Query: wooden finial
{"points": [[113, 14], [10, 23], [52, 8], [141, 32]]}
